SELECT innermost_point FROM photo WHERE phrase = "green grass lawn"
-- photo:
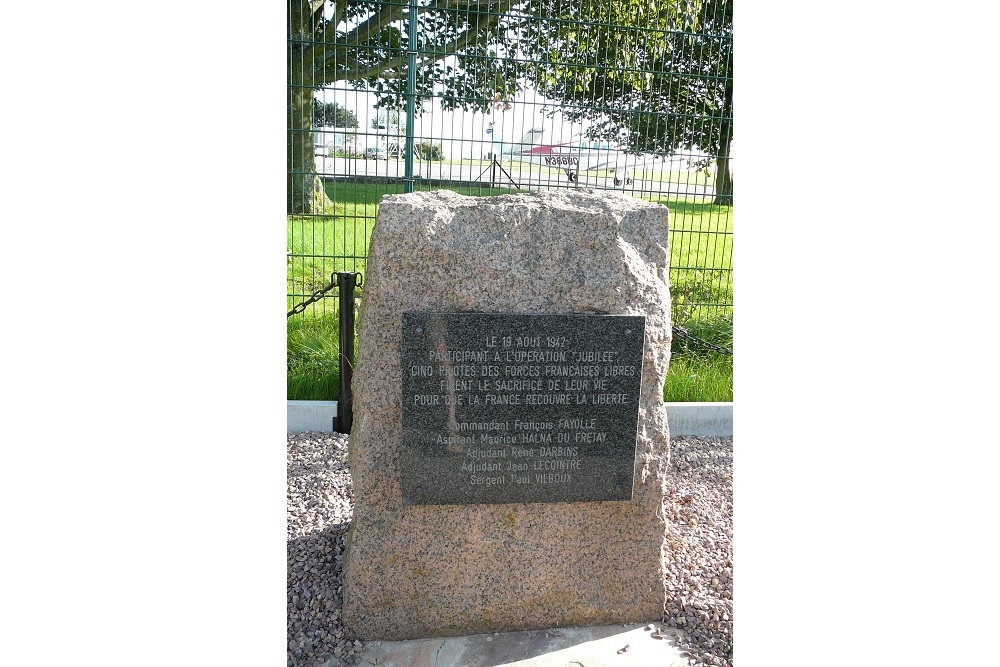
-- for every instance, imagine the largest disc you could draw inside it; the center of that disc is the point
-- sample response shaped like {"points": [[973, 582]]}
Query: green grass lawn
{"points": [[698, 373], [701, 259], [320, 245], [313, 349], [697, 379]]}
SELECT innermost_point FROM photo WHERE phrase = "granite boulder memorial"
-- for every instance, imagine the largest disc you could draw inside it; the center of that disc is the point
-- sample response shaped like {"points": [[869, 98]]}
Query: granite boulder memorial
{"points": [[510, 440]]}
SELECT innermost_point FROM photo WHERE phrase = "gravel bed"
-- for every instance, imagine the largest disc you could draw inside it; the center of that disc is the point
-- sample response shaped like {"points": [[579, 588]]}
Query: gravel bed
{"points": [[699, 509], [699, 581]]}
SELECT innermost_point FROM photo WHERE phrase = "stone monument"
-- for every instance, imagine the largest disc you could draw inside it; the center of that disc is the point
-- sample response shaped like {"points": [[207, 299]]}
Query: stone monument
{"points": [[510, 442]]}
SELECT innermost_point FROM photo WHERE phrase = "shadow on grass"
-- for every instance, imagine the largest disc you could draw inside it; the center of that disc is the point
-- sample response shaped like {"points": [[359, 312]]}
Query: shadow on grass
{"points": [[369, 194], [360, 194], [681, 207]]}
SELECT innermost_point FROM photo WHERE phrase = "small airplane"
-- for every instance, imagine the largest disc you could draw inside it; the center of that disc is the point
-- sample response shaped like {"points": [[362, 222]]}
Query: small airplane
{"points": [[572, 156]]}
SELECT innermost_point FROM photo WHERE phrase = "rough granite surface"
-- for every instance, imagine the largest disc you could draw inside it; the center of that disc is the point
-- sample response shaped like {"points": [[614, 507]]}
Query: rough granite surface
{"points": [[421, 571]]}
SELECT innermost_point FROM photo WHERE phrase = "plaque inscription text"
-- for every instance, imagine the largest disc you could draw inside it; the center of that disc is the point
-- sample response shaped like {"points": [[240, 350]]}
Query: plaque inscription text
{"points": [[512, 408]]}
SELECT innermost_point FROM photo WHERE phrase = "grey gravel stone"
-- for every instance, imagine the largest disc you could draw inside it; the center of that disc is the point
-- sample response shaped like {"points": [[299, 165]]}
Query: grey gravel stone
{"points": [[699, 508], [320, 507]]}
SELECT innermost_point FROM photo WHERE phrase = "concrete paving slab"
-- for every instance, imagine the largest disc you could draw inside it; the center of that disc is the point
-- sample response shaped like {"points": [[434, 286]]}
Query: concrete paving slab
{"points": [[633, 645]]}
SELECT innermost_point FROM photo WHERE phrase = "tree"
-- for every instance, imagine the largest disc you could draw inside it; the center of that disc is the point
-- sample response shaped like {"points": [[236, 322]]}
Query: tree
{"points": [[428, 150], [331, 114], [467, 53], [365, 43], [662, 90]]}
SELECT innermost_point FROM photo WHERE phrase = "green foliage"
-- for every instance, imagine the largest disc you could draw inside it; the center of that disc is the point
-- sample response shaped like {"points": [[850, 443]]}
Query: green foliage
{"points": [[331, 114], [365, 43], [664, 86], [468, 59], [428, 150]]}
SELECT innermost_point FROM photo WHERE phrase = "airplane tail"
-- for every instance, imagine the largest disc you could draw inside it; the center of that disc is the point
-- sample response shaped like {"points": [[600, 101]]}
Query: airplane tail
{"points": [[531, 138]]}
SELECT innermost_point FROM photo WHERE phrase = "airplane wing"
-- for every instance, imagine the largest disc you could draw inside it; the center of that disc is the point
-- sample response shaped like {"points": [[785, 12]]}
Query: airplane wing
{"points": [[618, 160]]}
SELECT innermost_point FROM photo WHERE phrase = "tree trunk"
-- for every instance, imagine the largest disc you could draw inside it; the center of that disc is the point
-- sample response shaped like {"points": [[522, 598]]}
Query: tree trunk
{"points": [[305, 189], [723, 175], [723, 182]]}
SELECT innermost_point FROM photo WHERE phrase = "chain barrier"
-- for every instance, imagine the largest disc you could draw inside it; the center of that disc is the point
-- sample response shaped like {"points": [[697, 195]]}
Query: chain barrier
{"points": [[320, 294], [683, 333]]}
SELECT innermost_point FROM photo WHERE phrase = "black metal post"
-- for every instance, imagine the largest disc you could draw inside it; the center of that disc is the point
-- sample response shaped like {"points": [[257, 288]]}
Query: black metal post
{"points": [[492, 168], [345, 299]]}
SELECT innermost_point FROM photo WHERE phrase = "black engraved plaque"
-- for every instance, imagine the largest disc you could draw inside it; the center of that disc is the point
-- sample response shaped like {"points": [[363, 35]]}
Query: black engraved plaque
{"points": [[519, 408]]}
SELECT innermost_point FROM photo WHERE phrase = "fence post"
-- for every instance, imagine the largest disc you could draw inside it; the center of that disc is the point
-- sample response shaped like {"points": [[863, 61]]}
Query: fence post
{"points": [[411, 91], [345, 298]]}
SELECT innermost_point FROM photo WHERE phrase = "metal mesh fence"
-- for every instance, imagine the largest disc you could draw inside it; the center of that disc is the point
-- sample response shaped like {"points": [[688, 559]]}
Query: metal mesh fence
{"points": [[494, 96]]}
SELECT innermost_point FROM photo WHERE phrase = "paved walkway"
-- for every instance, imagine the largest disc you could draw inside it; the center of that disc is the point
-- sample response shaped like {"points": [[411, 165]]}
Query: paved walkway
{"points": [[634, 645]]}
